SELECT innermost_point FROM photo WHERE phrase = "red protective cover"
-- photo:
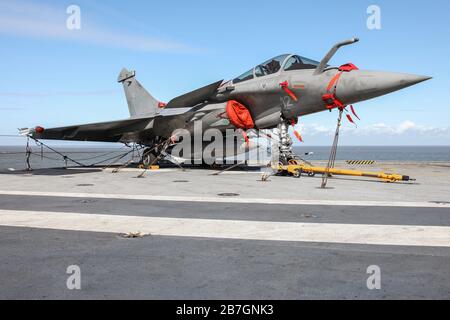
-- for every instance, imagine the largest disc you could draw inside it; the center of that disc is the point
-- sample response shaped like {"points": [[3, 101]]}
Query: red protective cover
{"points": [[348, 67], [239, 115]]}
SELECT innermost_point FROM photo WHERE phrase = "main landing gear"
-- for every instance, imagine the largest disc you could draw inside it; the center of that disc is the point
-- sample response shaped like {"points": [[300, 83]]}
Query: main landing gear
{"points": [[153, 155], [149, 158]]}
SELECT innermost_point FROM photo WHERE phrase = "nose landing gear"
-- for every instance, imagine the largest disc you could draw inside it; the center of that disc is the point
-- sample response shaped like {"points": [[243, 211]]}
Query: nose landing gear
{"points": [[285, 147], [286, 155]]}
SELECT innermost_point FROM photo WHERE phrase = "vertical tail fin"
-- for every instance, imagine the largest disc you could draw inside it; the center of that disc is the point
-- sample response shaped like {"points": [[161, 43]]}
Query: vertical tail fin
{"points": [[140, 102]]}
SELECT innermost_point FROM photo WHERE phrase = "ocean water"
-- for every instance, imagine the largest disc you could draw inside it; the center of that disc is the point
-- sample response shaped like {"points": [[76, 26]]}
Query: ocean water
{"points": [[378, 153], [14, 157]]}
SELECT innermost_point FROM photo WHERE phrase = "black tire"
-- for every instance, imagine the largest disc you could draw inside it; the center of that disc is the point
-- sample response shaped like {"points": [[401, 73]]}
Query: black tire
{"points": [[282, 172], [149, 158]]}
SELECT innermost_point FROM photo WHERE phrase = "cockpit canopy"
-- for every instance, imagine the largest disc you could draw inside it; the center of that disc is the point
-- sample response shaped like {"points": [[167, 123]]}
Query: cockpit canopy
{"points": [[287, 62]]}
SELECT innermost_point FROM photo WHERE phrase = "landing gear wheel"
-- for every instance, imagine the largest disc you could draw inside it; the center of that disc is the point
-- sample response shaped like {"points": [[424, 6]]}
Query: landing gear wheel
{"points": [[297, 173], [149, 158], [280, 171]]}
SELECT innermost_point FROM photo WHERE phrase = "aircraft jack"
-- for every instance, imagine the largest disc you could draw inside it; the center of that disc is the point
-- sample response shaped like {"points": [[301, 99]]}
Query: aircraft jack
{"points": [[296, 170], [290, 164]]}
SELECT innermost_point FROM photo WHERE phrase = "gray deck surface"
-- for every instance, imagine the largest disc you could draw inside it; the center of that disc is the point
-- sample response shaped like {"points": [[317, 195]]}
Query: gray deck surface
{"points": [[34, 260]]}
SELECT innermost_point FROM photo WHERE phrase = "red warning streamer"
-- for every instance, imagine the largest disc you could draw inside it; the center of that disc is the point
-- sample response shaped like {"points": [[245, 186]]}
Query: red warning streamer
{"points": [[354, 113], [247, 140], [350, 119], [285, 86], [296, 133]]}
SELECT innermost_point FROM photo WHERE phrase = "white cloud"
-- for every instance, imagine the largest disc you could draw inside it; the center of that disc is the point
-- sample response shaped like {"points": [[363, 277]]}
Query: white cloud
{"points": [[317, 129], [402, 128], [41, 21], [406, 132]]}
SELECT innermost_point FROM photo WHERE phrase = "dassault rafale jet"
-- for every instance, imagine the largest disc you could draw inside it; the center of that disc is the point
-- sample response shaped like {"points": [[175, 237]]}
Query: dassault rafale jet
{"points": [[273, 94]]}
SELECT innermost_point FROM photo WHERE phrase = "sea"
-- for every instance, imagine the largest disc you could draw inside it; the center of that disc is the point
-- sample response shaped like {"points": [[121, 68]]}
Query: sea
{"points": [[14, 157]]}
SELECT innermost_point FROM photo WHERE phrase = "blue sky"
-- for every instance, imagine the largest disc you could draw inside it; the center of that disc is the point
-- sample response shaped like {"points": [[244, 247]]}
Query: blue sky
{"points": [[52, 76]]}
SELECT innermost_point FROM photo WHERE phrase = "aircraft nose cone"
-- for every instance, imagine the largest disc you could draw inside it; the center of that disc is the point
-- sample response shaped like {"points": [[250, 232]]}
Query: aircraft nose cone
{"points": [[360, 85]]}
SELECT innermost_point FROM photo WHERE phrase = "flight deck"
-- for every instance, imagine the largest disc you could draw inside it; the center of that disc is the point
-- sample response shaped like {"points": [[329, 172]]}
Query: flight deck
{"points": [[193, 234]]}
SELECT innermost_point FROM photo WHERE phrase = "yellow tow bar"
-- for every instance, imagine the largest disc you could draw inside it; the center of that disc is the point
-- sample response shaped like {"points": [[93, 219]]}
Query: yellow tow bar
{"points": [[297, 169]]}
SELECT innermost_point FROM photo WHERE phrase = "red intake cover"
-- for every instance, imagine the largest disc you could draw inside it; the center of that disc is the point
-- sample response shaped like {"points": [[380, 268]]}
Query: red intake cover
{"points": [[239, 115]]}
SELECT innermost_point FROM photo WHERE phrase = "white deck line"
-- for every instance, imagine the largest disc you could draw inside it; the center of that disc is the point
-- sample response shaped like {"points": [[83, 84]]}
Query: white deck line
{"points": [[218, 199], [394, 235]]}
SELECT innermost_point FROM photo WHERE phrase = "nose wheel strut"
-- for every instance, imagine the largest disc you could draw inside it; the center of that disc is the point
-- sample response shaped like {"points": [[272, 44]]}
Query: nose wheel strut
{"points": [[286, 154], [285, 144]]}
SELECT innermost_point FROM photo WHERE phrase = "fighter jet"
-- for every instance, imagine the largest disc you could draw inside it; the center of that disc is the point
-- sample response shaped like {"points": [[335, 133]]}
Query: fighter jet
{"points": [[271, 95]]}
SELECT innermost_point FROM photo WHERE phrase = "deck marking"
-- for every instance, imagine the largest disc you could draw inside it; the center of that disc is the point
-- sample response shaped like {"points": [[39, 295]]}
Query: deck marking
{"points": [[396, 235], [369, 203]]}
